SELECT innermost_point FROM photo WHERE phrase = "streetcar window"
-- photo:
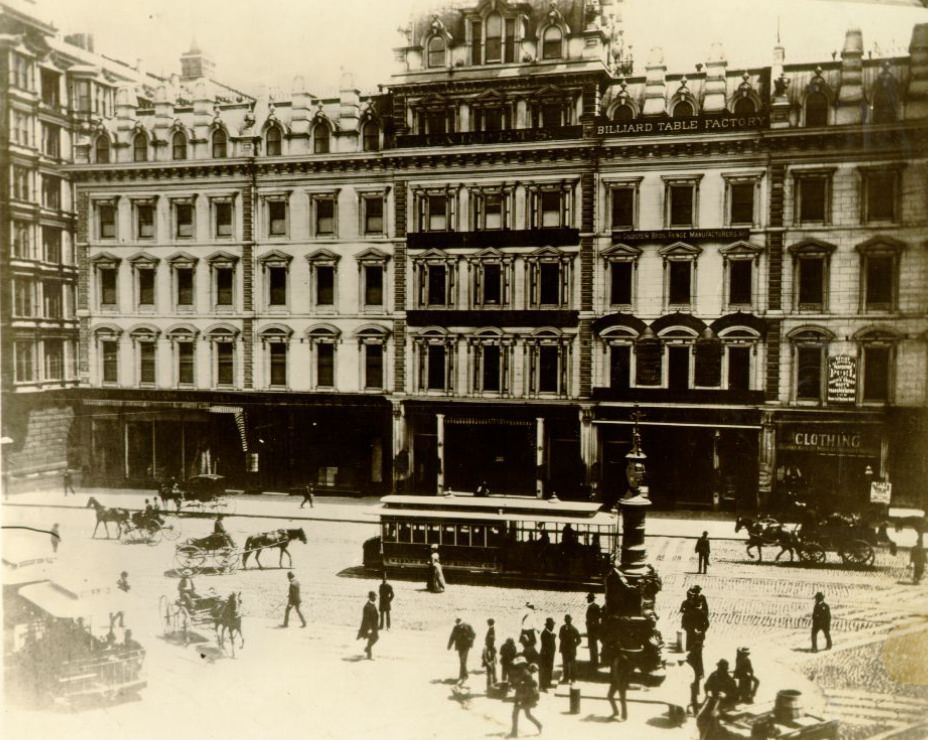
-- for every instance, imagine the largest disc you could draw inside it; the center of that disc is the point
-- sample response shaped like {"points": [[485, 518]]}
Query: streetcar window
{"points": [[389, 531], [447, 534], [477, 538], [494, 535], [464, 534], [418, 534], [405, 533], [434, 534]]}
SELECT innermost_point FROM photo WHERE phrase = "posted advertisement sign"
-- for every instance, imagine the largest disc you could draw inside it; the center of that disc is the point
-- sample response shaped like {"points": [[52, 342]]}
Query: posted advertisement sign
{"points": [[842, 379]]}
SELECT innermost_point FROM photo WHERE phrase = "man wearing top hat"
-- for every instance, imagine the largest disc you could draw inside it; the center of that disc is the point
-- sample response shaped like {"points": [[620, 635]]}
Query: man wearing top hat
{"points": [[546, 664], [821, 621], [695, 611], [593, 618]]}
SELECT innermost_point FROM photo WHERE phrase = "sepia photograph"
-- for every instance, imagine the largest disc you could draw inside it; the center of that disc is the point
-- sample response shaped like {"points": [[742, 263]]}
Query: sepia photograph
{"points": [[464, 369]]}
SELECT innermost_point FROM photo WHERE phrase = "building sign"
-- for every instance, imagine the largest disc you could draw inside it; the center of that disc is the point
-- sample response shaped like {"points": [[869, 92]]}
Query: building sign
{"points": [[846, 440], [880, 492], [842, 379], [680, 235], [674, 126], [503, 136]]}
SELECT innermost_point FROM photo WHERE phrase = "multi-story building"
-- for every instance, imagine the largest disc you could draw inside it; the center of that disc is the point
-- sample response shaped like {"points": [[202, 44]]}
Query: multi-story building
{"points": [[480, 273]]}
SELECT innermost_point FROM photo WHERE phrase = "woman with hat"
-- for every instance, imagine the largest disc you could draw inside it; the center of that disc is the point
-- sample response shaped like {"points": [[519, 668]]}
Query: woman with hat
{"points": [[437, 575]]}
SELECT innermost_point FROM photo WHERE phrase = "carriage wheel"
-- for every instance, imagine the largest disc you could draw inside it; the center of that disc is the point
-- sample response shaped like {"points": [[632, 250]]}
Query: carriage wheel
{"points": [[154, 537], [858, 553], [230, 561], [189, 556], [166, 614], [811, 552], [170, 532]]}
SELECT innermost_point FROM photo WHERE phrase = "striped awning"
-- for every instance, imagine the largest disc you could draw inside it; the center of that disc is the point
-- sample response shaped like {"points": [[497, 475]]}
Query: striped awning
{"points": [[239, 413]]}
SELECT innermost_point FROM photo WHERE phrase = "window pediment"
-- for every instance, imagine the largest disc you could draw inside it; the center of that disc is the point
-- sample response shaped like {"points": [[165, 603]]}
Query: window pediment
{"points": [[275, 333], [622, 252], [222, 257], [144, 260], [182, 258], [145, 332], [680, 250], [373, 255], [321, 256], [810, 334], [877, 334], [105, 259], [107, 331], [275, 256], [812, 247], [741, 249], [372, 331], [222, 332], [323, 331], [881, 245]]}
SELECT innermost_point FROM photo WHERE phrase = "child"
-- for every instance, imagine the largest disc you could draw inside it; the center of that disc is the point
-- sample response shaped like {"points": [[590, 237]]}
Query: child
{"points": [[489, 663]]}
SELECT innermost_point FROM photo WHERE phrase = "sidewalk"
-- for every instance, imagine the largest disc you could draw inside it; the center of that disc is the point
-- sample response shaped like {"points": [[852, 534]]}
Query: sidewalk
{"points": [[359, 510]]}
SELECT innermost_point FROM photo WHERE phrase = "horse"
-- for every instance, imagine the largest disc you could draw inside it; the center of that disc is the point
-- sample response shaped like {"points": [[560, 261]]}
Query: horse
{"points": [[761, 532], [279, 538], [168, 494], [119, 516], [227, 618]]}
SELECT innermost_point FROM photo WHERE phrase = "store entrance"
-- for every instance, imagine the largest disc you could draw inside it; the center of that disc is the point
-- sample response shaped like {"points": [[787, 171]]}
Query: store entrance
{"points": [[503, 455]]}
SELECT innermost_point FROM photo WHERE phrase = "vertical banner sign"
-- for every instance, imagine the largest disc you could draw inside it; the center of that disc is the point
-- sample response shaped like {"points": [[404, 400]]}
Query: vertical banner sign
{"points": [[842, 379], [880, 492]]}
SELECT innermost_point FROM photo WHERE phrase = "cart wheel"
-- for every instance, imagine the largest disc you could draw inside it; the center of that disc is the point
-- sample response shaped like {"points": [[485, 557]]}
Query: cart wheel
{"points": [[858, 553], [230, 561], [166, 614], [170, 532], [811, 552], [154, 537], [189, 556]]}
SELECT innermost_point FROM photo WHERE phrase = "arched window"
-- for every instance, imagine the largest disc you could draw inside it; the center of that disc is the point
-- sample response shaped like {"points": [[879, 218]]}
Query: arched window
{"points": [[272, 141], [139, 148], [436, 55], [371, 137], [321, 138], [494, 41], [745, 107], [683, 109], [102, 149], [551, 43], [179, 146], [623, 114], [219, 144], [816, 109]]}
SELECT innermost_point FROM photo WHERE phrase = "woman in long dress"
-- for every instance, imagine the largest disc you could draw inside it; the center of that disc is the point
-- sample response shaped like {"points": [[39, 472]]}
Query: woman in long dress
{"points": [[438, 576]]}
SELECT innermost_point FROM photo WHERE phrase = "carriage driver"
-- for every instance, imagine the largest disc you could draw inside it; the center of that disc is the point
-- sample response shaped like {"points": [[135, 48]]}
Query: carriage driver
{"points": [[220, 533], [186, 591]]}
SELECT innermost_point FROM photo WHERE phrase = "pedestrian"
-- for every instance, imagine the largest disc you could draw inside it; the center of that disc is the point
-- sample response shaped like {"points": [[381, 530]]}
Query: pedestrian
{"points": [[488, 658], [744, 676], [308, 496], [385, 601], [569, 639], [122, 582], [694, 658], [593, 618], [436, 574], [526, 697], [462, 639], [529, 625], [702, 550], [695, 613], [369, 621], [917, 559], [55, 538], [821, 621], [720, 686], [482, 490], [619, 678], [68, 482], [186, 590], [546, 658], [507, 654], [294, 600]]}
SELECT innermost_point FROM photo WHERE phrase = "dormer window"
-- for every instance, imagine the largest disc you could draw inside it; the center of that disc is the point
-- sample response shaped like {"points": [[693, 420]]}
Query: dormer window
{"points": [[179, 146], [140, 148], [219, 144], [370, 137], [623, 114], [683, 109], [436, 52], [102, 149], [321, 138], [273, 142], [494, 41], [551, 43]]}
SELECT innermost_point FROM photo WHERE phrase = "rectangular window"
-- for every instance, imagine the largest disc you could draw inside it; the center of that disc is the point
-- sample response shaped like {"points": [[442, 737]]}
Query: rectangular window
{"points": [[145, 213], [373, 285], [325, 365], [184, 277], [549, 283], [809, 373], [51, 192], [278, 360], [21, 180], [623, 208], [437, 212], [223, 213], [225, 363], [373, 366], [146, 282], [876, 373], [548, 369], [742, 203], [881, 196], [492, 284], [476, 33], [185, 363], [183, 215], [811, 283], [277, 286], [681, 205], [879, 287], [22, 240], [812, 199], [22, 297], [492, 211], [108, 295], [739, 368], [620, 364], [550, 209], [490, 376], [509, 42], [106, 216], [51, 140], [54, 359], [373, 215], [436, 367], [681, 281], [109, 351], [552, 115], [325, 216], [224, 286], [620, 274], [325, 285], [51, 238], [492, 119], [53, 300], [277, 217], [740, 277], [25, 370], [51, 83], [147, 362], [437, 285], [678, 368]]}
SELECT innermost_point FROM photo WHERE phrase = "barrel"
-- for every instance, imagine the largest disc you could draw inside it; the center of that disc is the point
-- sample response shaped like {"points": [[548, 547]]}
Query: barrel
{"points": [[788, 705], [574, 700]]}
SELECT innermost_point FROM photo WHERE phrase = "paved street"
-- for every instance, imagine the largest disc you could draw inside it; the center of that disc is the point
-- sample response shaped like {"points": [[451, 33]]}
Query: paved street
{"points": [[324, 687]]}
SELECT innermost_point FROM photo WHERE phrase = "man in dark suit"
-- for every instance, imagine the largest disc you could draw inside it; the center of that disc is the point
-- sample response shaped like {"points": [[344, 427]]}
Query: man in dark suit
{"points": [[821, 621], [703, 548], [462, 639], [369, 624], [569, 638], [548, 650], [293, 600], [593, 619], [386, 599]]}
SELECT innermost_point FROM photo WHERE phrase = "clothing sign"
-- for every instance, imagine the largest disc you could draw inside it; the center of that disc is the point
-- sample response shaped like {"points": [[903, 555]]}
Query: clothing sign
{"points": [[880, 492], [842, 379], [853, 440]]}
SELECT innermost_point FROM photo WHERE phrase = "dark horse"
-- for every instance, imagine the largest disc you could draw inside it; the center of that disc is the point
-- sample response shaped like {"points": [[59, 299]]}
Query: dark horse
{"points": [[227, 619], [764, 531], [279, 538], [119, 516]]}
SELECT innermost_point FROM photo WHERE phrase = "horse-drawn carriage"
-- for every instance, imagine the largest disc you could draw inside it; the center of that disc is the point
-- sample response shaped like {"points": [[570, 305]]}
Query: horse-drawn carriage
{"points": [[181, 616], [148, 528], [217, 553], [205, 491]]}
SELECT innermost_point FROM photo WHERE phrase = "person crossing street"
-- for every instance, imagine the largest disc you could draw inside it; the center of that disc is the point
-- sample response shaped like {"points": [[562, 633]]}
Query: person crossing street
{"points": [[569, 639], [385, 602], [462, 640], [369, 622], [821, 621], [703, 548], [593, 619], [293, 600]]}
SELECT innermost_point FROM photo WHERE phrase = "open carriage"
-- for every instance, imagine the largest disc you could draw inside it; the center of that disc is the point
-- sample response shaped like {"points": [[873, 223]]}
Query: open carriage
{"points": [[197, 493], [149, 529], [215, 553], [183, 617]]}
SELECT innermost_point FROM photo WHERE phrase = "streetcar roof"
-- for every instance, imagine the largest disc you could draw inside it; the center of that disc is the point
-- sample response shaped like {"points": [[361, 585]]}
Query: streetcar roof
{"points": [[65, 602], [601, 518], [495, 506]]}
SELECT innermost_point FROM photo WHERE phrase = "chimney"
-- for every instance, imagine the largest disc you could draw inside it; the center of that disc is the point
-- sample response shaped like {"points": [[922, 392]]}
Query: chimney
{"points": [[349, 107], [715, 98], [851, 90], [195, 65], [655, 102]]}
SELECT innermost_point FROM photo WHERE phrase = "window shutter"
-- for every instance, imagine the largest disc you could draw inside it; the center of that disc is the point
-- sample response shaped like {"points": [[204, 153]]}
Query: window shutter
{"points": [[505, 273], [708, 371], [423, 349]]}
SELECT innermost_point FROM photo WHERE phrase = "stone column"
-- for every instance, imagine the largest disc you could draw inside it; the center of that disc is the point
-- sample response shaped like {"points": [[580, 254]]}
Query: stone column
{"points": [[588, 451], [400, 459], [440, 451], [539, 456], [766, 460]]}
